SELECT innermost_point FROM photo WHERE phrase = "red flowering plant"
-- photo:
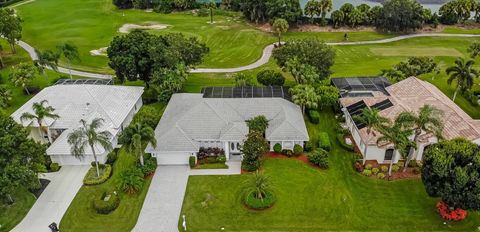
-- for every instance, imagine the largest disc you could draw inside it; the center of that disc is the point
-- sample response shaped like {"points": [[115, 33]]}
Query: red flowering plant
{"points": [[449, 214]]}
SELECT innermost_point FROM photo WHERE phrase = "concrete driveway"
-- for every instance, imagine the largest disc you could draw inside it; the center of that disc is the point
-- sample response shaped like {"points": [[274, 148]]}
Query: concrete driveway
{"points": [[163, 204], [55, 199]]}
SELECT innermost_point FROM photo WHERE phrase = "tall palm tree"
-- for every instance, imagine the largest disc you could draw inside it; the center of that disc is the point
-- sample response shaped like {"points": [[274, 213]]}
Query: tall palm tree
{"points": [[464, 73], [372, 120], [305, 96], [325, 6], [46, 59], [428, 119], [87, 135], [312, 8], [397, 135], [136, 137], [41, 111], [70, 52]]}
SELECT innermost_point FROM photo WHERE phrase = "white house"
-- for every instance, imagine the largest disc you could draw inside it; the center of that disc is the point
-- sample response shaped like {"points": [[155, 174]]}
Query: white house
{"points": [[407, 95], [191, 121], [115, 104]]}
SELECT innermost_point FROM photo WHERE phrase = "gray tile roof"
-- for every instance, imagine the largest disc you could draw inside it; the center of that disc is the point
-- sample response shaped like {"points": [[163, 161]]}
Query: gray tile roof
{"points": [[190, 118]]}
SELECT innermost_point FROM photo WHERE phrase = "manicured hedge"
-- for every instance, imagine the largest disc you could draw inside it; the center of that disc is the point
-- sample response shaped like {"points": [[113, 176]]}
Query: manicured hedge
{"points": [[324, 141], [314, 116], [191, 161], [319, 157], [252, 202], [92, 179], [54, 167], [297, 149], [102, 206], [277, 147]]}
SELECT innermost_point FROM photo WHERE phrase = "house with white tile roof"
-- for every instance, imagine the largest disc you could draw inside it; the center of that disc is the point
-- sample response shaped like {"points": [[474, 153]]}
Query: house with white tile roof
{"points": [[408, 95], [116, 105], [191, 121]]}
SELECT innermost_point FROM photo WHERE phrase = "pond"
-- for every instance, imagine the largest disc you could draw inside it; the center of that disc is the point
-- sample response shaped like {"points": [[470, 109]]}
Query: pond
{"points": [[338, 3]]}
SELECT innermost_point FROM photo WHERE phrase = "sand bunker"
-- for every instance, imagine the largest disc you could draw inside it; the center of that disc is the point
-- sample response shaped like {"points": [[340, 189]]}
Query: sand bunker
{"points": [[126, 28], [99, 52]]}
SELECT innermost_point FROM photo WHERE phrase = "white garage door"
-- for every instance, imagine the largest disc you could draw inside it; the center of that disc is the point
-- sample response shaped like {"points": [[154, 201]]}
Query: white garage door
{"points": [[172, 158], [72, 160]]}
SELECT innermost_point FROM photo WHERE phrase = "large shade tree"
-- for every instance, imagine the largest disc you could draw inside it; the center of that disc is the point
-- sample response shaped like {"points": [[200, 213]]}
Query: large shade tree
{"points": [[463, 73], [253, 150], [19, 158], [10, 27], [136, 137], [22, 74], [451, 171], [41, 112], [89, 136], [400, 16]]}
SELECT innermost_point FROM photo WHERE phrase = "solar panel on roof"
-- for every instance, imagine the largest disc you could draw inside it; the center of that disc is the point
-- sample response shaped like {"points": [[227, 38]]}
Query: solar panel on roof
{"points": [[246, 92], [383, 105]]}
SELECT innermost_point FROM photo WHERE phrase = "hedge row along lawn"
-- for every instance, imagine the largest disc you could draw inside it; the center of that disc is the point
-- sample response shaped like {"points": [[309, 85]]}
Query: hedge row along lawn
{"points": [[309, 199]]}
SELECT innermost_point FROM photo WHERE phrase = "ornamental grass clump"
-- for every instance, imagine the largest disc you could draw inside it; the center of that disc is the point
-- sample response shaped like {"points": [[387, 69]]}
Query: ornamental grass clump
{"points": [[258, 193]]}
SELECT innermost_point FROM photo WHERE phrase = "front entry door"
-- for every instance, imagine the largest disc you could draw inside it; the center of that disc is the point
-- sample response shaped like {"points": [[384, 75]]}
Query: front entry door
{"points": [[234, 147]]}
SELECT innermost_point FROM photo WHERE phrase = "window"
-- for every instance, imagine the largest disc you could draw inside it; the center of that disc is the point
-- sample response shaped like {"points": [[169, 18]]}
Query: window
{"points": [[389, 154], [232, 146], [238, 146]]}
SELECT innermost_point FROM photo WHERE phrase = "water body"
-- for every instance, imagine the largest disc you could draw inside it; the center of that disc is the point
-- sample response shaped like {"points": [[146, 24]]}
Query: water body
{"points": [[338, 3]]}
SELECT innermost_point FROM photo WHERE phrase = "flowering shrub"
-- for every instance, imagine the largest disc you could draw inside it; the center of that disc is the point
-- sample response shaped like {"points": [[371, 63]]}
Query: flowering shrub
{"points": [[368, 166], [367, 172], [451, 215], [358, 167], [384, 168], [375, 171]]}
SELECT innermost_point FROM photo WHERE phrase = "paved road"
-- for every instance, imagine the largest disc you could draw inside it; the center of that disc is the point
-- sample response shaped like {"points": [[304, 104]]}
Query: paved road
{"points": [[163, 204], [267, 53], [55, 199]]}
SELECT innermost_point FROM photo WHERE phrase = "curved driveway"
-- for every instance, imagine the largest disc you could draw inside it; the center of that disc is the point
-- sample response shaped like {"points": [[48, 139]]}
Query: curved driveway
{"points": [[267, 53]]}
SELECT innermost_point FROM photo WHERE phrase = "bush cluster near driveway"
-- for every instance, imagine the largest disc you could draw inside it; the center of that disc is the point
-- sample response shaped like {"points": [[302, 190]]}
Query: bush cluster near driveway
{"points": [[81, 215], [91, 177], [338, 194]]}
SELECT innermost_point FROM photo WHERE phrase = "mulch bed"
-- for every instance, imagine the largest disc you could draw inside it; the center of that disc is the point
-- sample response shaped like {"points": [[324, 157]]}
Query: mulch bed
{"points": [[399, 175], [37, 192], [274, 155]]}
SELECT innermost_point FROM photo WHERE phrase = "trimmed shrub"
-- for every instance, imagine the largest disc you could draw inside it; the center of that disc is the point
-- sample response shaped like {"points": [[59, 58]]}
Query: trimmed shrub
{"points": [[412, 164], [400, 164], [221, 159], [309, 146], [91, 177], [314, 116], [395, 168], [358, 166], [191, 161], [375, 171], [131, 180], [384, 168], [149, 167], [367, 172], [112, 156], [107, 203], [270, 78], [277, 148], [297, 149], [381, 175], [254, 203], [54, 167], [99, 165], [319, 157], [368, 166], [287, 152], [324, 141]]}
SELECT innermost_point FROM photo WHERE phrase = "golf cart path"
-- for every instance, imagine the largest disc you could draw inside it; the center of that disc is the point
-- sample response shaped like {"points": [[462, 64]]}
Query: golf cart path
{"points": [[267, 53]]}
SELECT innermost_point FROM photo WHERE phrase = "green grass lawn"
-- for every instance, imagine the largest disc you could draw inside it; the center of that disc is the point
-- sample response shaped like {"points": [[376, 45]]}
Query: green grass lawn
{"points": [[11, 215], [310, 199], [211, 166]]}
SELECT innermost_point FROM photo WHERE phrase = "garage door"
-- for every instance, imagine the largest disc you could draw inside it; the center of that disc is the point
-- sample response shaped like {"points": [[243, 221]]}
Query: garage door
{"points": [[172, 158], [72, 160]]}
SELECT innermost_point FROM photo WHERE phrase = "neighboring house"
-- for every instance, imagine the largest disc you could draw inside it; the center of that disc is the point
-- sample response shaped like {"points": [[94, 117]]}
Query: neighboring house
{"points": [[407, 95], [191, 121], [115, 104]]}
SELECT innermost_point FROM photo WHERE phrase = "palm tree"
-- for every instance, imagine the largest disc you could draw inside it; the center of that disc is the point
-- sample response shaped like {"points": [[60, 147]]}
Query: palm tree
{"points": [[305, 96], [325, 6], [312, 8], [40, 112], [397, 135], [211, 5], [259, 185], [88, 136], [70, 52], [428, 119], [136, 137], [372, 120], [46, 59], [464, 73], [280, 26]]}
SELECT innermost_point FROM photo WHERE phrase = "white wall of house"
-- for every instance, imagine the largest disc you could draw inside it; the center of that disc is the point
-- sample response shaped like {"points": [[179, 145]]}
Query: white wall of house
{"points": [[36, 135], [69, 159], [286, 144]]}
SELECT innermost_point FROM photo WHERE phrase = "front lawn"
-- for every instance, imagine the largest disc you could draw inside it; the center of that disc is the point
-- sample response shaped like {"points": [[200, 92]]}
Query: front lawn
{"points": [[211, 166], [310, 199], [81, 215], [11, 215]]}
